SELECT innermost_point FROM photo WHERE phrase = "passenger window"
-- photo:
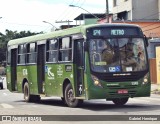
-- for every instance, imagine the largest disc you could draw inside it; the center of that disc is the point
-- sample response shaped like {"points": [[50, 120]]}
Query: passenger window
{"points": [[52, 50], [65, 49], [21, 54], [31, 53]]}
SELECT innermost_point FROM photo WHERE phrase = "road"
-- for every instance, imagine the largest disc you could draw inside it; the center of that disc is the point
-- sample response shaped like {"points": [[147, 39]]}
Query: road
{"points": [[13, 104]]}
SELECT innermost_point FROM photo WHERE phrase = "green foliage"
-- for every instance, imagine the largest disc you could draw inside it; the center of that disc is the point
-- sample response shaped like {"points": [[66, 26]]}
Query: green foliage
{"points": [[9, 35]]}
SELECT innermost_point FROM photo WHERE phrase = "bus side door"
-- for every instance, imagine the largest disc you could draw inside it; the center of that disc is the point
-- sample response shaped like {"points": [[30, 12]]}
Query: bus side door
{"points": [[13, 69], [41, 68], [79, 72]]}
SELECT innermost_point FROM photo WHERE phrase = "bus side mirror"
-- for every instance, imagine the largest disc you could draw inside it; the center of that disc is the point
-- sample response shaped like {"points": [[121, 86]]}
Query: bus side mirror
{"points": [[146, 40]]}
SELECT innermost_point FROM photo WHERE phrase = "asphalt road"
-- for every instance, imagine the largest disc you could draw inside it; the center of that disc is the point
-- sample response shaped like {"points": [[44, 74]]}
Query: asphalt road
{"points": [[13, 104]]}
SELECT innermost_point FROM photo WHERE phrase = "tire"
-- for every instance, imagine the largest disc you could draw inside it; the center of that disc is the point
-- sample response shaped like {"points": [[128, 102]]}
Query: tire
{"points": [[1, 86], [63, 100], [120, 101], [27, 96], [69, 97]]}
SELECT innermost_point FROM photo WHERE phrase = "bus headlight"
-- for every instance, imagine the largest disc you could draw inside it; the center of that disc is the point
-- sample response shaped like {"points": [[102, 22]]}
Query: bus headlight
{"points": [[96, 81], [145, 79]]}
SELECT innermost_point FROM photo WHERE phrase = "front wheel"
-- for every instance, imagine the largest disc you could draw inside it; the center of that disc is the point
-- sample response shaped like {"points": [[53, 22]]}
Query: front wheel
{"points": [[120, 101], [69, 97]]}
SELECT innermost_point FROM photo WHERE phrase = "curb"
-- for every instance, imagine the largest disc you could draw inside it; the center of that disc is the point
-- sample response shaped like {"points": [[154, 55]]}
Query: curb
{"points": [[156, 91]]}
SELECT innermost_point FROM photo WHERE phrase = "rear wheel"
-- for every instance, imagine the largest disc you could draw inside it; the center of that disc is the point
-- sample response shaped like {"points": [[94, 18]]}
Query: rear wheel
{"points": [[69, 97], [27, 96], [120, 101], [2, 86]]}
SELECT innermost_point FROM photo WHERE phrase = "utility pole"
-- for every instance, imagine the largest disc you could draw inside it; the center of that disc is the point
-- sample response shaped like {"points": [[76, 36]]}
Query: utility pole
{"points": [[107, 11], [67, 21]]}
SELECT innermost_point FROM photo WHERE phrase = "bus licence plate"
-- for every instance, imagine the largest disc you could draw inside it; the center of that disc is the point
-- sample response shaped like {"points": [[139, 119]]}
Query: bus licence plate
{"points": [[122, 91]]}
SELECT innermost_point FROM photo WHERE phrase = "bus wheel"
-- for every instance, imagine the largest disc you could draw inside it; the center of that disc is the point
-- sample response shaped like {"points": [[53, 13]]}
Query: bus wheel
{"points": [[120, 101], [69, 97], [63, 100], [27, 96], [2, 86]]}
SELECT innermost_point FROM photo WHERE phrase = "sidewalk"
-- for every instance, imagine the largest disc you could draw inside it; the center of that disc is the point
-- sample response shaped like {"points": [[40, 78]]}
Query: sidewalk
{"points": [[155, 88]]}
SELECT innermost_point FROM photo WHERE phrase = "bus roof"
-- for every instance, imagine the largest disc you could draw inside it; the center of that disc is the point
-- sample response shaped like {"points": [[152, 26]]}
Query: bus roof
{"points": [[65, 32]]}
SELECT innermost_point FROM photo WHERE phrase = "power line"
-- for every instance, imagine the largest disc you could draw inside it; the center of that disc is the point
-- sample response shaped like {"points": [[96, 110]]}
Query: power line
{"points": [[152, 29], [65, 12], [66, 16], [73, 12]]}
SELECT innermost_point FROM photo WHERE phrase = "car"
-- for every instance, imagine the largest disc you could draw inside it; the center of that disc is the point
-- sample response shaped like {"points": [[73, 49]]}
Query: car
{"points": [[1, 82]]}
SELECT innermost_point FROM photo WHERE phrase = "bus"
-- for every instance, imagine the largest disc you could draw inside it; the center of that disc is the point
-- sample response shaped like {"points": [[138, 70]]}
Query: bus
{"points": [[98, 61]]}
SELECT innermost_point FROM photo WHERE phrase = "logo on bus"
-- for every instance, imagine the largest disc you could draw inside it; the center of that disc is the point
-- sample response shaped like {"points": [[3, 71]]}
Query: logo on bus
{"points": [[59, 71], [25, 72], [49, 73]]}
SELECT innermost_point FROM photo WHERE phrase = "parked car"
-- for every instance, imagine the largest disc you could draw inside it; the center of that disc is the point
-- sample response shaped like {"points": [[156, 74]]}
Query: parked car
{"points": [[1, 82]]}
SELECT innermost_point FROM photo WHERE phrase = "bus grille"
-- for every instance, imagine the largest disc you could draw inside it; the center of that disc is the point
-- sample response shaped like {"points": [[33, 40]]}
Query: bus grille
{"points": [[115, 94], [119, 87]]}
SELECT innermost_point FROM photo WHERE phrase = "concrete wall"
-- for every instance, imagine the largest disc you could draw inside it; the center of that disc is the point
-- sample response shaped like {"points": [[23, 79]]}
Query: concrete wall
{"points": [[145, 9], [123, 6], [138, 9]]}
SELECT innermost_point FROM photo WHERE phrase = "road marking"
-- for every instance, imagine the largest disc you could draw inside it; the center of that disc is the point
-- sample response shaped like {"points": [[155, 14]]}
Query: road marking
{"points": [[4, 105], [5, 94]]}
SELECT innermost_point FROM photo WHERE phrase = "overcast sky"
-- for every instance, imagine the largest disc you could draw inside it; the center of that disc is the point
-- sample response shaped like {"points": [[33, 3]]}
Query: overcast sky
{"points": [[28, 14]]}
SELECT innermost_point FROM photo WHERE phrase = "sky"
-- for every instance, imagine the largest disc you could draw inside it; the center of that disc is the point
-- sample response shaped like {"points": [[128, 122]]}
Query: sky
{"points": [[28, 15]]}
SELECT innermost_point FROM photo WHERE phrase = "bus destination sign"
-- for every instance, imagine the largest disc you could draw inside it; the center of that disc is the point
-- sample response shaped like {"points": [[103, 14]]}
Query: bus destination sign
{"points": [[98, 32], [117, 32], [114, 32]]}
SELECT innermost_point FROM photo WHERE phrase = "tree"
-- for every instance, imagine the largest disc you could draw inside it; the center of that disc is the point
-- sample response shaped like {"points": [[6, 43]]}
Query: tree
{"points": [[9, 35]]}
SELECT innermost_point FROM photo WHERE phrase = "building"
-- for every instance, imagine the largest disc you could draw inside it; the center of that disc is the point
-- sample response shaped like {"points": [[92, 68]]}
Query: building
{"points": [[145, 13], [136, 10], [88, 18]]}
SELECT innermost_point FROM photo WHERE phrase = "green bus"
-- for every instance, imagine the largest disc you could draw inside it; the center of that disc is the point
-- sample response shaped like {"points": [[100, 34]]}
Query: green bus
{"points": [[100, 61]]}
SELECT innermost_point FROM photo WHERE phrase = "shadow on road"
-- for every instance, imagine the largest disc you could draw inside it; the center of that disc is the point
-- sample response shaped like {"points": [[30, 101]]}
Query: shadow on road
{"points": [[101, 106], [134, 107]]}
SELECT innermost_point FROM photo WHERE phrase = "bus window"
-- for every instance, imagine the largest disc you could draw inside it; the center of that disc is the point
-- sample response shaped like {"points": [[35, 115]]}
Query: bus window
{"points": [[52, 50], [9, 57], [21, 54], [65, 49], [31, 53]]}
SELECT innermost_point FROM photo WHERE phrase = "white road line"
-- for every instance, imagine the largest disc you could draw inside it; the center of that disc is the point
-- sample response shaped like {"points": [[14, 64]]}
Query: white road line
{"points": [[4, 105], [5, 94]]}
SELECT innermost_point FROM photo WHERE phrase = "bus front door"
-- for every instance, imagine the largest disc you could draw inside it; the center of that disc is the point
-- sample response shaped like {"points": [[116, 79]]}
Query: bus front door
{"points": [[14, 70], [41, 68], [78, 59]]}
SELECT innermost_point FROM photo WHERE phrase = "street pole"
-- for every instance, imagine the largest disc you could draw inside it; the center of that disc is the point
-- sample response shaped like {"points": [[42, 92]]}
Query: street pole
{"points": [[84, 10], [107, 11], [50, 24]]}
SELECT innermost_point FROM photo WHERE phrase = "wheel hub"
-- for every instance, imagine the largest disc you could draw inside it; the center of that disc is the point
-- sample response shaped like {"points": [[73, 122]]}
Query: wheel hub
{"points": [[71, 95]]}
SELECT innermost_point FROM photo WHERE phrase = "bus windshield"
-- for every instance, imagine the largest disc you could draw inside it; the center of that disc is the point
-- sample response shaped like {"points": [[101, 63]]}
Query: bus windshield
{"points": [[114, 55]]}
